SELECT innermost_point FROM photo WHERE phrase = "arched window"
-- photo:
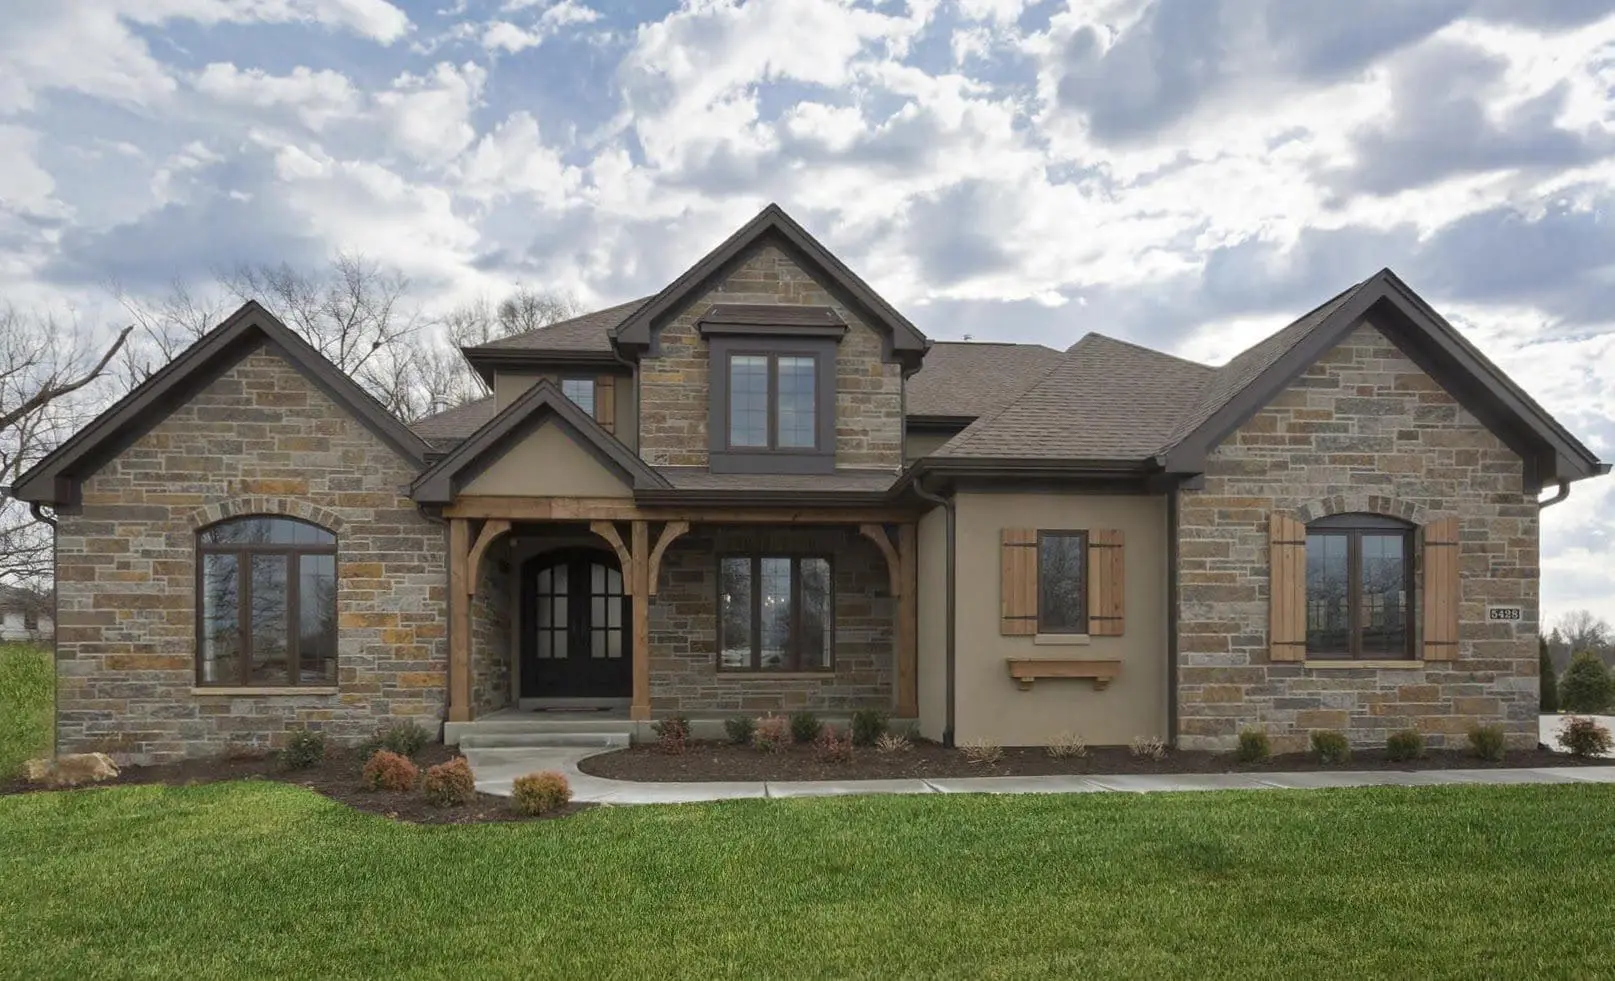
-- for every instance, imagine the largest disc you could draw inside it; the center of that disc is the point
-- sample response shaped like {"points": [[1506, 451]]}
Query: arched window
{"points": [[266, 603], [1359, 587]]}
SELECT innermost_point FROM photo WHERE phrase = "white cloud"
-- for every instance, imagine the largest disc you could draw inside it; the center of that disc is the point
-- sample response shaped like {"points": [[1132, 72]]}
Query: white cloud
{"points": [[429, 115], [502, 35], [318, 98]]}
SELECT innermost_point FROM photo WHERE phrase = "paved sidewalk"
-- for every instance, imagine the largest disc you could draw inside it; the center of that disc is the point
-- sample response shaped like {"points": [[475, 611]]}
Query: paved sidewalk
{"points": [[495, 769]]}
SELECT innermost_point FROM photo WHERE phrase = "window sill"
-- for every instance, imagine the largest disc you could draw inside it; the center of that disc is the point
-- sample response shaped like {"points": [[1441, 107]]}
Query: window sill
{"points": [[1404, 664], [778, 675], [283, 690], [1061, 640]]}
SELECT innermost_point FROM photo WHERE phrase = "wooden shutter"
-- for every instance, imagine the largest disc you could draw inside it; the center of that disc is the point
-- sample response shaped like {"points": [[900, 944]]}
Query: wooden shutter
{"points": [[605, 402], [1287, 567], [1441, 590], [1106, 579], [1017, 582]]}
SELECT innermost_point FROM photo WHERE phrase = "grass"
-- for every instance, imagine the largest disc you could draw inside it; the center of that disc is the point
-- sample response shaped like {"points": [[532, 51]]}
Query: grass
{"points": [[25, 705], [261, 879]]}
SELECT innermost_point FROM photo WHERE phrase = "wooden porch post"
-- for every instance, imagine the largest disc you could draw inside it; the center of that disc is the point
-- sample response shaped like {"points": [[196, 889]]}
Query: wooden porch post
{"points": [[908, 622], [639, 551], [459, 621]]}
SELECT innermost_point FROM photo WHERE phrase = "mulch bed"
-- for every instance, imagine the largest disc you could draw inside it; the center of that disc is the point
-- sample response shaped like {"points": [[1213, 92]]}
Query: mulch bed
{"points": [[723, 761], [338, 777]]}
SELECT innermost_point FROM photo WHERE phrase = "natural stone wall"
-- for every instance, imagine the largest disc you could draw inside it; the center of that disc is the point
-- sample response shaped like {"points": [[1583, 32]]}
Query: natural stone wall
{"points": [[683, 628], [491, 616], [1363, 430], [673, 387], [258, 439]]}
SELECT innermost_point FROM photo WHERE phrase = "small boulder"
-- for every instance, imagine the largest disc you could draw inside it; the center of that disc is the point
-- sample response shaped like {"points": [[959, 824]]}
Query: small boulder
{"points": [[70, 770]]}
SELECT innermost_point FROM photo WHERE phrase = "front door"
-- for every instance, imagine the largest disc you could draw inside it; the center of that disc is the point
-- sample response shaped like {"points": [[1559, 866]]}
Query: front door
{"points": [[574, 639]]}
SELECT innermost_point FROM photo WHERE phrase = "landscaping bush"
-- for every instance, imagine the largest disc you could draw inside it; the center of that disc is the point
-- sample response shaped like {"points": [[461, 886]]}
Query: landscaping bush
{"points": [[805, 727], [540, 793], [832, 746], [1254, 746], [1067, 746], [1586, 685], [387, 770], [1585, 738], [867, 726], [739, 729], [1331, 746], [1148, 747], [893, 742], [406, 738], [1487, 742], [450, 784], [672, 733], [981, 752], [1548, 696], [304, 748], [1405, 745], [771, 733]]}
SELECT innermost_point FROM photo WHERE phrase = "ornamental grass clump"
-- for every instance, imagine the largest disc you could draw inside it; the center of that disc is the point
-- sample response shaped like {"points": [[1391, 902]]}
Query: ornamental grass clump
{"points": [[893, 742], [1067, 746], [538, 794], [449, 784], [1585, 738], [672, 733], [304, 748], [1406, 745], [981, 752], [868, 725], [1148, 748], [1331, 746], [739, 729], [833, 746], [1254, 746], [805, 727], [387, 770], [1487, 742], [771, 733]]}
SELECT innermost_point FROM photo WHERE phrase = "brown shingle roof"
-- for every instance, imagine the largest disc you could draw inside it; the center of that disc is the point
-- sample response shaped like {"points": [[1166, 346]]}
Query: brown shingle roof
{"points": [[452, 425], [589, 332], [696, 478], [970, 378]]}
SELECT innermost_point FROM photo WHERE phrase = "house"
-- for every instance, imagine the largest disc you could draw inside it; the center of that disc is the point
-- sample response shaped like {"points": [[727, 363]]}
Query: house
{"points": [[24, 615], [764, 489]]}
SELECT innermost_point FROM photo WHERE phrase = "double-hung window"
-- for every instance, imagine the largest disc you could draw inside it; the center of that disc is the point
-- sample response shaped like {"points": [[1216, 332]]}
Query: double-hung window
{"points": [[775, 613]]}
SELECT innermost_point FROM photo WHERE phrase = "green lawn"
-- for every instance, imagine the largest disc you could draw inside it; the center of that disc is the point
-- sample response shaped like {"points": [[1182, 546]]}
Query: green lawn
{"points": [[268, 880], [25, 705]]}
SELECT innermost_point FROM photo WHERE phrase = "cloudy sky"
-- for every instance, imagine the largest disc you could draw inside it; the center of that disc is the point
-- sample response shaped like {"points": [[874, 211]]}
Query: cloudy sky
{"points": [[1187, 174]]}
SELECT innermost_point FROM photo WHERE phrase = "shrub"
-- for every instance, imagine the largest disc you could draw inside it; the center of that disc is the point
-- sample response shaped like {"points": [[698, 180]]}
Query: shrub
{"points": [[1487, 742], [540, 793], [1331, 746], [672, 733], [404, 738], [1405, 745], [739, 729], [1254, 746], [868, 725], [450, 784], [1067, 746], [832, 746], [1549, 686], [771, 733], [981, 752], [387, 770], [1585, 737], [1586, 685], [304, 748], [1148, 747], [805, 727], [893, 742]]}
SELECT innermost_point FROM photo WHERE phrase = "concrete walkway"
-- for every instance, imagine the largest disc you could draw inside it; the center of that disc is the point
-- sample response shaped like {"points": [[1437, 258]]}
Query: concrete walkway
{"points": [[495, 769]]}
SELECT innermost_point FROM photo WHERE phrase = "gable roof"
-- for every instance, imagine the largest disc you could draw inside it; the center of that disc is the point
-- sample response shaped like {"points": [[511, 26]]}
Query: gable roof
{"points": [[540, 403], [55, 479], [969, 379], [444, 429], [903, 341], [585, 332]]}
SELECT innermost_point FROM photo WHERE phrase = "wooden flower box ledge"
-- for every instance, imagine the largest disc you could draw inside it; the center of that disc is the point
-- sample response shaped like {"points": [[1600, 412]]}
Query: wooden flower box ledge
{"points": [[1029, 669]]}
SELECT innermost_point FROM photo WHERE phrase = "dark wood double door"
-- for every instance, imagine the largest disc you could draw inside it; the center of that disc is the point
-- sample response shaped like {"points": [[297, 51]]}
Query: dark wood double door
{"points": [[576, 640]]}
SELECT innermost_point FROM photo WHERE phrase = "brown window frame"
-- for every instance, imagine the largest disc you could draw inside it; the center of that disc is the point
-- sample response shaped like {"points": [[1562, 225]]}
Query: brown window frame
{"points": [[1081, 534], [792, 663], [244, 553], [726, 457], [1353, 527]]}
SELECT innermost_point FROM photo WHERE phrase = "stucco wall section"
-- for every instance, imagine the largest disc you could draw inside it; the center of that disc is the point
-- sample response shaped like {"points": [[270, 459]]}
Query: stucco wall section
{"points": [[508, 387], [683, 627], [259, 439], [548, 463], [1363, 430], [933, 626], [674, 384], [992, 705]]}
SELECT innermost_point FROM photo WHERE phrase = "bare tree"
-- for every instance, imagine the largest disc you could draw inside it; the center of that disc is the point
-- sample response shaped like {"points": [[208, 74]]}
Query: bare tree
{"points": [[442, 377], [1581, 631], [46, 371]]}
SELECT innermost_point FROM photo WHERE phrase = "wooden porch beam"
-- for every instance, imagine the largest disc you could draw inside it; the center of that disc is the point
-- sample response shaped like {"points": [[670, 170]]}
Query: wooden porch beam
{"points": [[491, 529], [623, 509], [670, 533], [908, 622], [459, 622], [608, 531], [639, 707], [877, 534]]}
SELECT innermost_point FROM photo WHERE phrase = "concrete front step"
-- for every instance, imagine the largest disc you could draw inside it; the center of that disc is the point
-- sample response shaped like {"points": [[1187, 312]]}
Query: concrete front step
{"points": [[539, 740]]}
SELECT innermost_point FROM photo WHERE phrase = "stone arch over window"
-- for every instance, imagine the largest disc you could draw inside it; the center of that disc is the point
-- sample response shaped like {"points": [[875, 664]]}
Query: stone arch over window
{"points": [[1362, 502], [283, 506]]}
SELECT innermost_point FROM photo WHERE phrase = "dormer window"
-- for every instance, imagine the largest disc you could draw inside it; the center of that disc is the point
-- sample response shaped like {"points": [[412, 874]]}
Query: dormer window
{"points": [[772, 401]]}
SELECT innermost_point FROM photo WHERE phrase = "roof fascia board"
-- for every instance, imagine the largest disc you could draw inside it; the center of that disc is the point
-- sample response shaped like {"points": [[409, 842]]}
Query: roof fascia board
{"points": [[487, 362]]}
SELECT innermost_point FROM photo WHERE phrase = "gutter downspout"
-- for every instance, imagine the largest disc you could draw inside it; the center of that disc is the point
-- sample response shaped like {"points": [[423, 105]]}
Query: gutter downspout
{"points": [[1172, 616], [1564, 492], [39, 515], [950, 672]]}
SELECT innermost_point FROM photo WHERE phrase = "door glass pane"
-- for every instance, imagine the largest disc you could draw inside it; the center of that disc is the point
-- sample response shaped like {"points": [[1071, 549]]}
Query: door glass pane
{"points": [[796, 393], [776, 610], [1328, 627], [817, 628], [734, 612], [597, 578], [221, 634], [614, 644], [1384, 596], [268, 621], [581, 391], [316, 612], [614, 612], [546, 644], [1061, 599], [748, 400], [597, 643], [614, 582]]}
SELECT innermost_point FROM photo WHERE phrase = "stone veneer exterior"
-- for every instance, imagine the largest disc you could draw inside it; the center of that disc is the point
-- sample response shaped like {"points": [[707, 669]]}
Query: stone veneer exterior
{"points": [[491, 633], [683, 627], [673, 387], [1363, 430], [258, 439]]}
